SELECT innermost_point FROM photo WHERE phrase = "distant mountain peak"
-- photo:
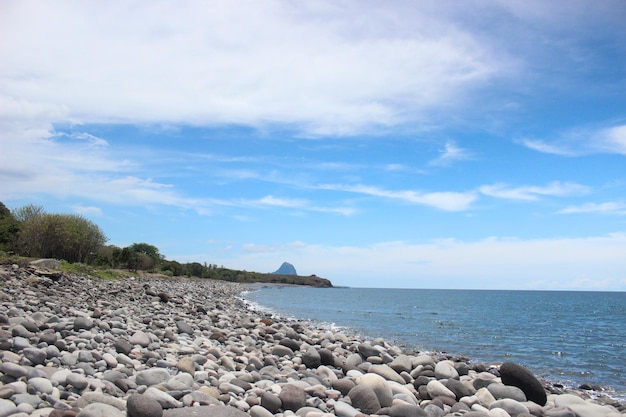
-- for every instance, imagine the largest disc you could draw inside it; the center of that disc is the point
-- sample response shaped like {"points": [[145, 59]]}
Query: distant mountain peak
{"points": [[286, 269]]}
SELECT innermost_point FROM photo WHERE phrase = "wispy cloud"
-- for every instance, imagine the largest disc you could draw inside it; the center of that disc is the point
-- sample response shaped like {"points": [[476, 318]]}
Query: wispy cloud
{"points": [[450, 154], [444, 200], [532, 192], [299, 204], [582, 141], [611, 207], [87, 210]]}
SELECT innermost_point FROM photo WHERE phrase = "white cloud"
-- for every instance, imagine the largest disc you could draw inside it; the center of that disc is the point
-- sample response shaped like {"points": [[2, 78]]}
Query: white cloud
{"points": [[532, 192], [87, 210], [329, 68], [450, 154], [583, 141], [300, 204], [611, 207], [612, 140], [443, 200], [585, 263], [544, 147]]}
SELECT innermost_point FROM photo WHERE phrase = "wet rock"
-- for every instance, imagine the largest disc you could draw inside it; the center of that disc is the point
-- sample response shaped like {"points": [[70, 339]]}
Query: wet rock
{"points": [[519, 376]]}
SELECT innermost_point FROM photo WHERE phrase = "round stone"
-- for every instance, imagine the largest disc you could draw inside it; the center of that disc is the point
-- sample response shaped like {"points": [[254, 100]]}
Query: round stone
{"points": [[446, 370], [500, 391], [139, 338], [36, 356], [83, 323], [139, 405], [100, 410], [437, 389], [292, 397], [380, 387], [364, 398], [39, 385], [77, 381], [312, 358], [519, 376], [152, 376], [184, 327]]}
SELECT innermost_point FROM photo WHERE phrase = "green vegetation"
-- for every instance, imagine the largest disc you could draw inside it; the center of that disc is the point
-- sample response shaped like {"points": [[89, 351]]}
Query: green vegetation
{"points": [[31, 232]]}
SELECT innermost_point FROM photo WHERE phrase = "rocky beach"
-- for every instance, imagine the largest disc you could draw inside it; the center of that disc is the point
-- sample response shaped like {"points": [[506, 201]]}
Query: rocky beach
{"points": [[72, 346]]}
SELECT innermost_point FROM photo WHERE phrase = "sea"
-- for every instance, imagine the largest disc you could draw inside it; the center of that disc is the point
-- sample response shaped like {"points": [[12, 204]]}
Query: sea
{"points": [[567, 337]]}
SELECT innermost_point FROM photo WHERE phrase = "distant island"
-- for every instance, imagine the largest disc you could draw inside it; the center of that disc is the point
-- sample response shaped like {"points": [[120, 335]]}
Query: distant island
{"points": [[287, 274], [286, 269]]}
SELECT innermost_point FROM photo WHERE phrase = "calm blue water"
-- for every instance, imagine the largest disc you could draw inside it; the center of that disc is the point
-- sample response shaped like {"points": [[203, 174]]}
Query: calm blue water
{"points": [[566, 337]]}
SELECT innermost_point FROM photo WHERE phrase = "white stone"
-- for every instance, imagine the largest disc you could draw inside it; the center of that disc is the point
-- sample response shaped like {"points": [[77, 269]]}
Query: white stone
{"points": [[436, 389], [445, 370]]}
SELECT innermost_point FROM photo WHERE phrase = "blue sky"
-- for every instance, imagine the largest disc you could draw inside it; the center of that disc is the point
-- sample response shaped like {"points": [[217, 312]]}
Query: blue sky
{"points": [[428, 144]]}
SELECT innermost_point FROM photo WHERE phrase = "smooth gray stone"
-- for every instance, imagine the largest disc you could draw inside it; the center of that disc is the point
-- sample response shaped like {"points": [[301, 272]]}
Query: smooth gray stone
{"points": [[432, 410], [510, 406], [258, 411], [33, 400], [36, 356], [182, 381], [21, 331], [312, 358], [271, 401], [501, 391], [459, 388], [83, 323], [405, 410], [13, 369], [367, 350], [380, 387], [100, 410], [445, 370], [7, 408], [163, 398], [96, 397], [280, 350], [343, 409], [292, 397], [205, 411], [39, 385], [152, 376], [364, 398], [138, 405], [139, 338], [401, 363], [77, 381], [184, 327]]}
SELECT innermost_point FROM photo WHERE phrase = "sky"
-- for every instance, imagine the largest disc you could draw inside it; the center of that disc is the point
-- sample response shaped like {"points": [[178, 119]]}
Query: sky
{"points": [[407, 144]]}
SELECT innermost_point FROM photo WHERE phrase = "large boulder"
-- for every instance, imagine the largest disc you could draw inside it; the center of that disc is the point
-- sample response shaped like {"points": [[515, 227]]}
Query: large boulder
{"points": [[518, 376]]}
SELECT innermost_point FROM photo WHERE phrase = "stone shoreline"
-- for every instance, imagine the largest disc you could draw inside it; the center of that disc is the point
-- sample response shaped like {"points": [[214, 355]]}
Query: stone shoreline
{"points": [[75, 346]]}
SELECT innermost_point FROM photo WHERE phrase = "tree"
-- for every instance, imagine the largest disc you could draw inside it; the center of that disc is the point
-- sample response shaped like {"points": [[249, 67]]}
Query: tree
{"points": [[149, 250], [62, 236], [9, 228], [28, 212]]}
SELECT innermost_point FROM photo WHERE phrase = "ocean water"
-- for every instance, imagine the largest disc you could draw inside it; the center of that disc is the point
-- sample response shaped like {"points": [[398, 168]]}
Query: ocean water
{"points": [[567, 337]]}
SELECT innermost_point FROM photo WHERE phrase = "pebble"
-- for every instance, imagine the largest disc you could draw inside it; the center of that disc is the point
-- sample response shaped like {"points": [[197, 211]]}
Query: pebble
{"points": [[141, 347]]}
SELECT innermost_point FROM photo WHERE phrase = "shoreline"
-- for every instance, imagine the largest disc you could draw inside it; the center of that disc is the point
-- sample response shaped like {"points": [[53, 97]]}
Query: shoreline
{"points": [[75, 346], [557, 385]]}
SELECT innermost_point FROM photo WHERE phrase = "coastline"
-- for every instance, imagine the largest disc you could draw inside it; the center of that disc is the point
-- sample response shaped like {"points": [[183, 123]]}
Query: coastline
{"points": [[74, 346]]}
